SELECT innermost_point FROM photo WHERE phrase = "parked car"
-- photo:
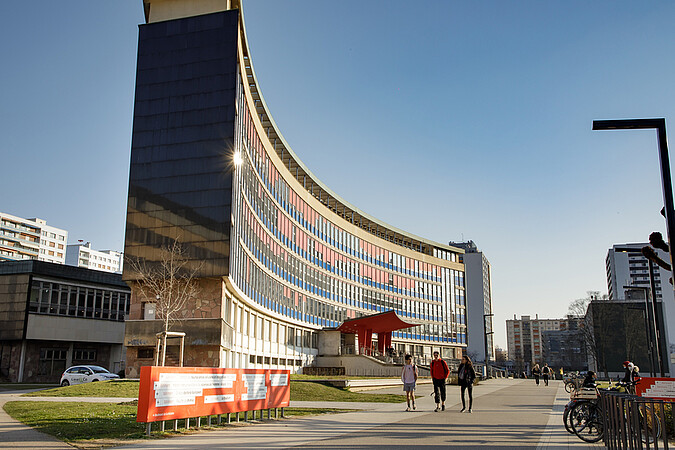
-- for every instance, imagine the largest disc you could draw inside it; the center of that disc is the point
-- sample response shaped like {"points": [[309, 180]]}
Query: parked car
{"points": [[86, 374]]}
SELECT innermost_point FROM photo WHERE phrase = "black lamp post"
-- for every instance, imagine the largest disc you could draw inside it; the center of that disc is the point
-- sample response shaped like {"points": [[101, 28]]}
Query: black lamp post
{"points": [[487, 350], [650, 307], [644, 309], [660, 126]]}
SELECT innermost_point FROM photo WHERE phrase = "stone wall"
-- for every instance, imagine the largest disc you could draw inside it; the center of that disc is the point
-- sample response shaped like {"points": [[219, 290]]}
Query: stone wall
{"points": [[13, 301]]}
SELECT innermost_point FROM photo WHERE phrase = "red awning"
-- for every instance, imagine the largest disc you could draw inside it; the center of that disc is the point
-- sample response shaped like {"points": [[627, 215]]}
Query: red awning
{"points": [[378, 323]]}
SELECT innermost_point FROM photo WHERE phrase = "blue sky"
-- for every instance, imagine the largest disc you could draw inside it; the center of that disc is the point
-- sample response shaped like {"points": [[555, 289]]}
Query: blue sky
{"points": [[449, 119]]}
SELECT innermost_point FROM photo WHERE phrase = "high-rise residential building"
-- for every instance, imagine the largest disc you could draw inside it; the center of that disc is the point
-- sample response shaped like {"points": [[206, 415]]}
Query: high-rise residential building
{"points": [[524, 337], [627, 270], [478, 301], [279, 257], [82, 255], [22, 239]]}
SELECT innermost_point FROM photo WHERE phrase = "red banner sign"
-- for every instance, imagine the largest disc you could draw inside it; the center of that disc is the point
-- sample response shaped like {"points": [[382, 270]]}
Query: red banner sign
{"points": [[168, 393], [659, 388]]}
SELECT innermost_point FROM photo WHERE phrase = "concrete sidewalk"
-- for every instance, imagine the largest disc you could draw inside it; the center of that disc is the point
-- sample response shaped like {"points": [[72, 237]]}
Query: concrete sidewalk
{"points": [[14, 434], [507, 414]]}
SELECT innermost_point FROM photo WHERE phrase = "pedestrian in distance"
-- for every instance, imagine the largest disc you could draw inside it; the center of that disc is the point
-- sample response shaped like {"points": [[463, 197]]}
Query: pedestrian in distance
{"points": [[439, 374], [628, 372], [536, 373], [409, 378], [545, 372], [465, 377]]}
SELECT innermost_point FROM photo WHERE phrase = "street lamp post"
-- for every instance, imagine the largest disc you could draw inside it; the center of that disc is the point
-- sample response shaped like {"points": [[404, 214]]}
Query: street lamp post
{"points": [[650, 310], [667, 187], [487, 350], [648, 329]]}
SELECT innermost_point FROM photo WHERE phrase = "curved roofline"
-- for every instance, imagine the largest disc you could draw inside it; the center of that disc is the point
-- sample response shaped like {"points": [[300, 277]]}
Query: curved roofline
{"points": [[307, 172]]}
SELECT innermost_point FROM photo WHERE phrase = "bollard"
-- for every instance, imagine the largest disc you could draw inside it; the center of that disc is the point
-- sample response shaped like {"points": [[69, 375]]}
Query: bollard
{"points": [[148, 428], [175, 425]]}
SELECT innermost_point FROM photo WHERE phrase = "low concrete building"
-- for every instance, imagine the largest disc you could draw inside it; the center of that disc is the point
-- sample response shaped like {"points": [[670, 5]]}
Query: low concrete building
{"points": [[53, 316]]}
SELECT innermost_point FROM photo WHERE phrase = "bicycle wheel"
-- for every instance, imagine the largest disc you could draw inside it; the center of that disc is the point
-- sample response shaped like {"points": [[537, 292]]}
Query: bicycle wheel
{"points": [[566, 416], [586, 421], [650, 425], [569, 387]]}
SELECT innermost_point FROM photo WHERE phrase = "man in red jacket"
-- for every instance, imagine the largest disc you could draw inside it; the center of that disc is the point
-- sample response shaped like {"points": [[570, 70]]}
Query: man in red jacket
{"points": [[439, 373]]}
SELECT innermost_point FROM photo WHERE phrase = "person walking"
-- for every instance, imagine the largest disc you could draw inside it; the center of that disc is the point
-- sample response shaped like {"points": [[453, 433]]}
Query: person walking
{"points": [[409, 378], [465, 377], [536, 373], [545, 372], [439, 374]]}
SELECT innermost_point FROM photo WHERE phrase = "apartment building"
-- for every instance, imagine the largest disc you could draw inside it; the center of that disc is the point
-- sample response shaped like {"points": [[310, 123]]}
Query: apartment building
{"points": [[82, 255], [525, 337], [22, 239]]}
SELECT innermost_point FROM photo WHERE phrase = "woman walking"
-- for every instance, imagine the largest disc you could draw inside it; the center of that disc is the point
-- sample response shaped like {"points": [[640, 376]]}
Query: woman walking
{"points": [[465, 377], [536, 373], [409, 378]]}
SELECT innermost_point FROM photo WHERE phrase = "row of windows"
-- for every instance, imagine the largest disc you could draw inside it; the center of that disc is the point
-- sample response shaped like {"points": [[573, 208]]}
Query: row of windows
{"points": [[363, 286], [311, 220], [19, 226], [61, 299]]}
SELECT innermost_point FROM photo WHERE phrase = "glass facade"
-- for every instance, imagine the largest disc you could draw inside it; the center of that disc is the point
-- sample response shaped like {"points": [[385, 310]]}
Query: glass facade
{"points": [[65, 299], [180, 182], [296, 260]]}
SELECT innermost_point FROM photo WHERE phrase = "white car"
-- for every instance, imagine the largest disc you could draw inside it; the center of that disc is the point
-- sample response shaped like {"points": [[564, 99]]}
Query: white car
{"points": [[86, 374]]}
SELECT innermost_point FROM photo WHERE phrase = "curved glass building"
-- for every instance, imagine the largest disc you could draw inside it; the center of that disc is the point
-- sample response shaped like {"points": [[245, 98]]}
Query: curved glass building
{"points": [[278, 255]]}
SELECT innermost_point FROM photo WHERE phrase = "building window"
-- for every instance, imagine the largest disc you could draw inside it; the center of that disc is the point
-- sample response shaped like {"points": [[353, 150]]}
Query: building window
{"points": [[84, 355], [52, 361], [146, 353]]}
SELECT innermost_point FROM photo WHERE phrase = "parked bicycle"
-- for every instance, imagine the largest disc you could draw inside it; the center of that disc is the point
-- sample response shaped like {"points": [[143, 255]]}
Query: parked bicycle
{"points": [[587, 417]]}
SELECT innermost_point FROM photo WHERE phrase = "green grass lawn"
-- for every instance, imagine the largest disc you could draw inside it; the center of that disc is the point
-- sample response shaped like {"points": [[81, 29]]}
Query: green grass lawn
{"points": [[309, 391], [300, 391], [119, 388], [96, 425]]}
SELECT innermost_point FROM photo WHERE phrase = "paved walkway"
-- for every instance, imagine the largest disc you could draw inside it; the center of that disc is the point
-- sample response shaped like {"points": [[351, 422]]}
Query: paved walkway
{"points": [[15, 435], [507, 414]]}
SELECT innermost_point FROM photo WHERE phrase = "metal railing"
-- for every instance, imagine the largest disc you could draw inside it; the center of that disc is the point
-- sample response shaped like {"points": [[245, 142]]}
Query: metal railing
{"points": [[632, 422]]}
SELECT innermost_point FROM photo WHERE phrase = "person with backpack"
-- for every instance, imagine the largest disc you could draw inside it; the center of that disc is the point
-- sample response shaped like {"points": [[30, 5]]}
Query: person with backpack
{"points": [[545, 372], [465, 377], [409, 378], [439, 374]]}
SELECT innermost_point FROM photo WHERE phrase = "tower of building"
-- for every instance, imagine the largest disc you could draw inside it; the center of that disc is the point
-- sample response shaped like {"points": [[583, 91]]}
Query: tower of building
{"points": [[478, 301]]}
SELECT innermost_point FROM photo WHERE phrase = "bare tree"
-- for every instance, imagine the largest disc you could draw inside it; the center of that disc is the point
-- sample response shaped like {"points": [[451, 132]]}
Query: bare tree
{"points": [[579, 308], [169, 283]]}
